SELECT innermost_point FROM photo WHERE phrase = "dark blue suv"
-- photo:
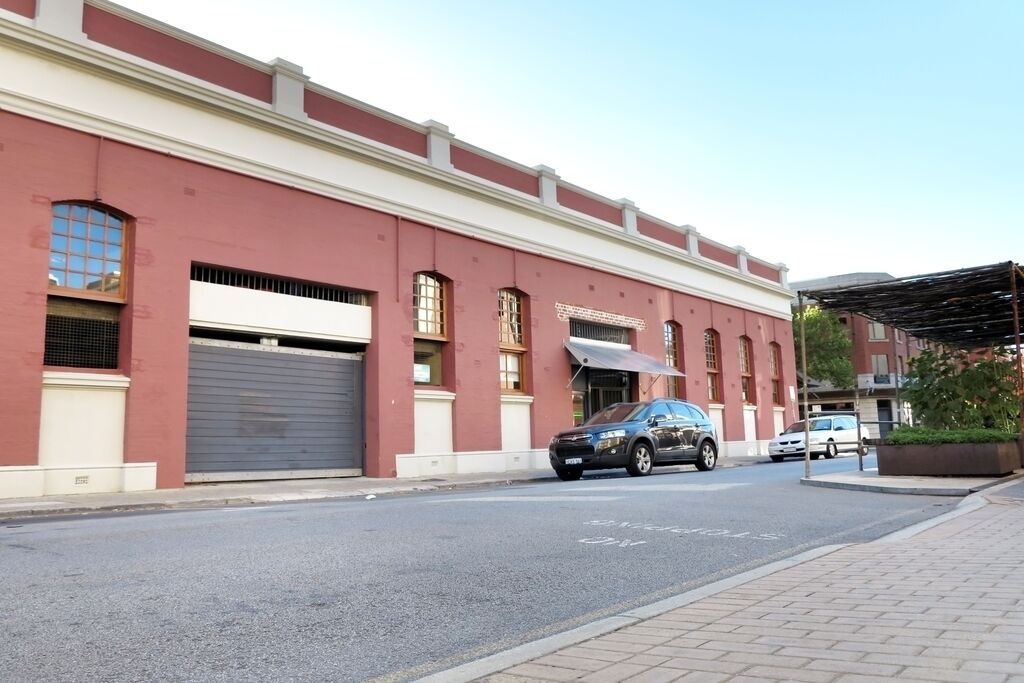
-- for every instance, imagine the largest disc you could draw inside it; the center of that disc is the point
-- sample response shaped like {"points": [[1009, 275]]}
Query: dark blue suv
{"points": [[636, 436]]}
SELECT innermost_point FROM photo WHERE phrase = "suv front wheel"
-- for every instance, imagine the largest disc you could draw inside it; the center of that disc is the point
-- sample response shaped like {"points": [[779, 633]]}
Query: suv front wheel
{"points": [[641, 460]]}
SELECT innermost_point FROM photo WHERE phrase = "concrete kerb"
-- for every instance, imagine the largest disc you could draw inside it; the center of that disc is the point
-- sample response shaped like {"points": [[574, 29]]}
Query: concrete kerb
{"points": [[910, 489], [545, 646]]}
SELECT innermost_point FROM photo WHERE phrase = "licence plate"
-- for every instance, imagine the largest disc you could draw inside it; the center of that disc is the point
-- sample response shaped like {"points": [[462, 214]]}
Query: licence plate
{"points": [[789, 450], [574, 461]]}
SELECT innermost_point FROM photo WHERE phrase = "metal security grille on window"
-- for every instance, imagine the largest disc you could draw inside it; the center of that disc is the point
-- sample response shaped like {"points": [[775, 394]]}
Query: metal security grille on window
{"points": [[597, 332], [263, 283], [81, 342]]}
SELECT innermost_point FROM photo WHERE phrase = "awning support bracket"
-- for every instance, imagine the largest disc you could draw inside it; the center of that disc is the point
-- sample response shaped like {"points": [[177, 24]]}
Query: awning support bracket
{"points": [[575, 376], [653, 381]]}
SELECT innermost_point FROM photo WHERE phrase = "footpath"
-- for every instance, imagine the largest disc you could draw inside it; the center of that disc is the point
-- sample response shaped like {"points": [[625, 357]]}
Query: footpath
{"points": [[940, 601]]}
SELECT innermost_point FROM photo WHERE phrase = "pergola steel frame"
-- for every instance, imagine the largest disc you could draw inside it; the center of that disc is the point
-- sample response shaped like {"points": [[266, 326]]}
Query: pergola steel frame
{"points": [[970, 308]]}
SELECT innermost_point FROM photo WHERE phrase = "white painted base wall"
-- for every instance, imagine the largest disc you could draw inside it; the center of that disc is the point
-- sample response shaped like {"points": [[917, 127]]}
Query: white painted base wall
{"points": [[81, 441], [717, 414], [750, 423], [480, 462], [432, 415], [515, 423], [778, 421], [736, 448]]}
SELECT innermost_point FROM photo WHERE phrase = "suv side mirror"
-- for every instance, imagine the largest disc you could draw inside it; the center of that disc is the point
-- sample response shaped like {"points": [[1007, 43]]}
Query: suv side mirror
{"points": [[654, 420]]}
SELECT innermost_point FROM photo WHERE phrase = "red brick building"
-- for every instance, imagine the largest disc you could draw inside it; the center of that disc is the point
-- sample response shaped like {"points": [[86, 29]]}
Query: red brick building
{"points": [[222, 270]]}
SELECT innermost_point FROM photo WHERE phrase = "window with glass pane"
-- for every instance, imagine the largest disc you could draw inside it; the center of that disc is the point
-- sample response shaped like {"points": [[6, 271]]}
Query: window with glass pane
{"points": [[510, 318], [711, 360], [511, 371], [880, 367], [876, 331], [428, 303], [511, 341], [427, 363], [746, 373], [774, 369], [87, 250], [672, 359]]}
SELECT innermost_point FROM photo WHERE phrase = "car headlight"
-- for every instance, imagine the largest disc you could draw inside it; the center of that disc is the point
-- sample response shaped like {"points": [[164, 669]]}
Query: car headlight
{"points": [[615, 433]]}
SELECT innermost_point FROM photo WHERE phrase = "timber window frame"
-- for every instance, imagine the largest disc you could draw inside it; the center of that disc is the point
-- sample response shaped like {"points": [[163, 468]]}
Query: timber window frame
{"points": [[430, 305], [747, 390], [87, 286], [512, 348], [89, 244], [775, 371], [713, 363], [674, 387]]}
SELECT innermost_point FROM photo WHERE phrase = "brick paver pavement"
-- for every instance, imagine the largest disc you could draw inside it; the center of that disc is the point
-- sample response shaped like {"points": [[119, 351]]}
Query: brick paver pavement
{"points": [[946, 605]]}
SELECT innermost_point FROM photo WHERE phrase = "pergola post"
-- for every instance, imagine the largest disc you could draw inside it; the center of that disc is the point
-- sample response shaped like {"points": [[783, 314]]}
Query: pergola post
{"points": [[1014, 270], [803, 364]]}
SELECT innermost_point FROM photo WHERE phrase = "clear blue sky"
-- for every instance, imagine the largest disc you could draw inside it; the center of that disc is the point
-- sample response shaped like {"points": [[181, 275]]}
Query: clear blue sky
{"points": [[835, 136]]}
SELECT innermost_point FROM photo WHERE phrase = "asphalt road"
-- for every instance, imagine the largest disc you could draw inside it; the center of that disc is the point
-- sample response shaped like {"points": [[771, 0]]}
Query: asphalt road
{"points": [[395, 588]]}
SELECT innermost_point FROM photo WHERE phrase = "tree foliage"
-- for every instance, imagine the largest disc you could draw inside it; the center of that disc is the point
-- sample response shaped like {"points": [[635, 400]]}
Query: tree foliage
{"points": [[949, 391], [828, 346]]}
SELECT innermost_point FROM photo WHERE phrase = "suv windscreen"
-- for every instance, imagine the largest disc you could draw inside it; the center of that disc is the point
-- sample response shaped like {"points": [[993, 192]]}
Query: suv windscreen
{"points": [[620, 412]]}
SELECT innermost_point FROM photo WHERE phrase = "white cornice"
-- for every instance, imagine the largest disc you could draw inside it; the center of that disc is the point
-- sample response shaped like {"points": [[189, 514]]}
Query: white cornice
{"points": [[142, 75]]}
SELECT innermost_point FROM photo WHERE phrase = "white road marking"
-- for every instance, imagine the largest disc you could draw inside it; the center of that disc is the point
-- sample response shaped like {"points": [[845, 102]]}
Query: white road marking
{"points": [[529, 499], [700, 531], [608, 540], [661, 487]]}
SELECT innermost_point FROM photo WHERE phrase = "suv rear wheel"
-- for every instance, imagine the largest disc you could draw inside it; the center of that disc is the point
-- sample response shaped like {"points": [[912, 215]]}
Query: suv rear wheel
{"points": [[707, 458]]}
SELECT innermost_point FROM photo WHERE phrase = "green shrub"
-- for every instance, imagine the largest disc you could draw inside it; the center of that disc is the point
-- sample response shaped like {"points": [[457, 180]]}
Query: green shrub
{"points": [[924, 435], [951, 389]]}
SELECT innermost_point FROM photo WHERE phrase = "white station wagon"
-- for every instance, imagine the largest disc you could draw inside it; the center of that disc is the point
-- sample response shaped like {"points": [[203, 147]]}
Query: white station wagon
{"points": [[828, 436]]}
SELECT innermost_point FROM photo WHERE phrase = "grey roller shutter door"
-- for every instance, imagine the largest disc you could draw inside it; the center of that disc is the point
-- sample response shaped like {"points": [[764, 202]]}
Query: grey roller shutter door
{"points": [[253, 410]]}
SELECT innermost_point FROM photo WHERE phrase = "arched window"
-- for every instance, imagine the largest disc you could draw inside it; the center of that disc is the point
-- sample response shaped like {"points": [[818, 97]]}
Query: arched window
{"points": [[714, 366], [87, 246], [87, 286], [747, 393], [430, 328], [673, 358], [511, 342], [775, 370]]}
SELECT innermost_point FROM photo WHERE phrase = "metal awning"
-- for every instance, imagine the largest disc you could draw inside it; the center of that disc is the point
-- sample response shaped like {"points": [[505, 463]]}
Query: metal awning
{"points": [[612, 358]]}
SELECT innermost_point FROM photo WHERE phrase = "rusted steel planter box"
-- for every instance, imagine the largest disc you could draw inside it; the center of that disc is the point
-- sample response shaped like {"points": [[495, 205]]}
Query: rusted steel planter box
{"points": [[949, 459]]}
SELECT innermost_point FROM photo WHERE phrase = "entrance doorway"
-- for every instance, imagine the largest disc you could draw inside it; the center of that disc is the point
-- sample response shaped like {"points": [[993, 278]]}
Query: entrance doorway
{"points": [[884, 418], [595, 389]]}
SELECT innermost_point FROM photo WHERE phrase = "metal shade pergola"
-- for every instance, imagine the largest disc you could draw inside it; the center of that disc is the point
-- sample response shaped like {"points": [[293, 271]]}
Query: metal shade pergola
{"points": [[970, 308]]}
